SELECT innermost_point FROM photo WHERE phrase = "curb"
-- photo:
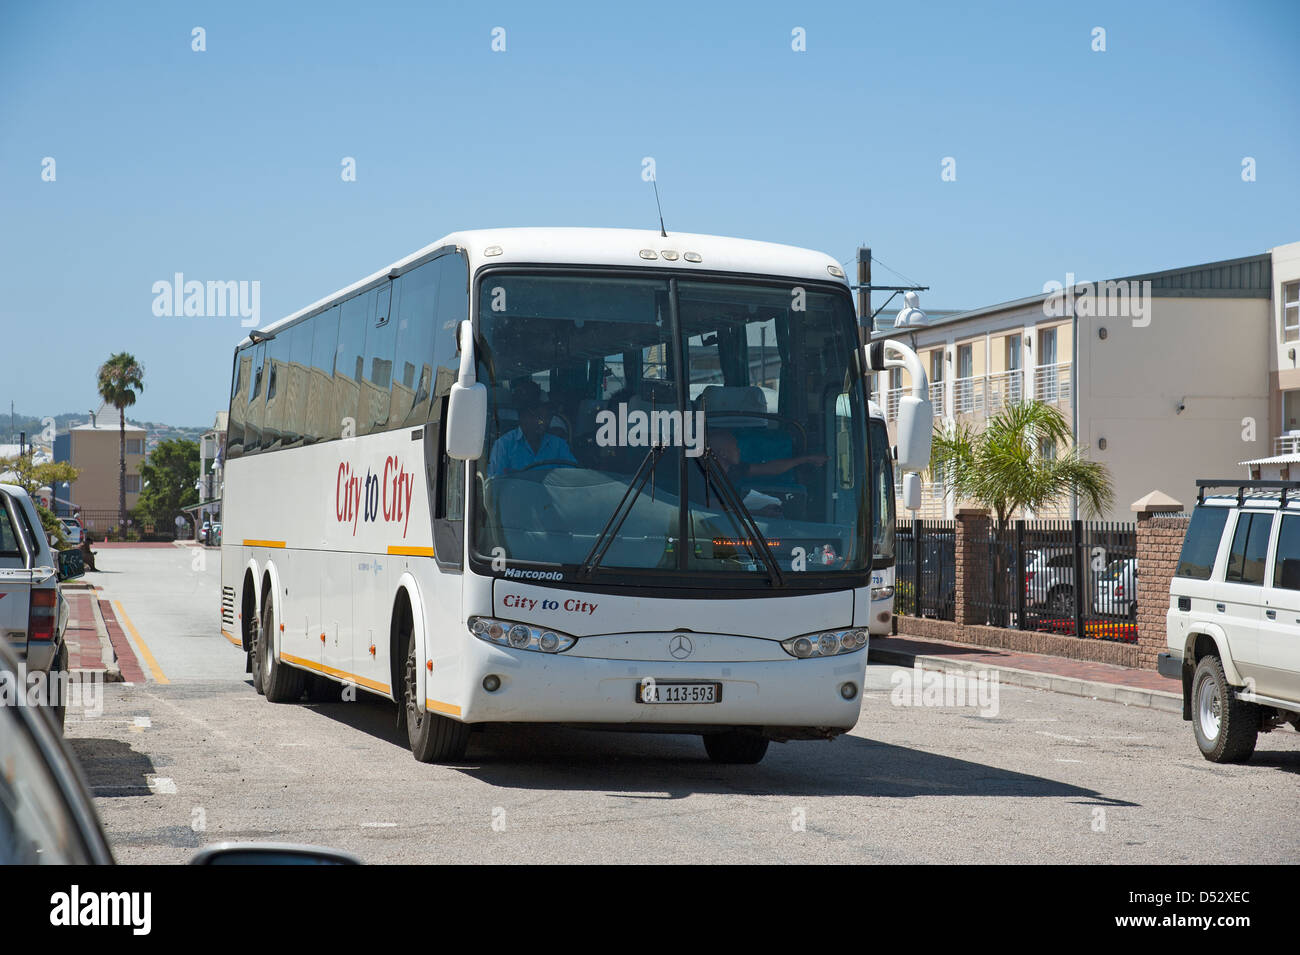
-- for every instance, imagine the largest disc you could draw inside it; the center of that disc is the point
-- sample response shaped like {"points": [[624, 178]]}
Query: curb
{"points": [[1033, 679], [112, 673]]}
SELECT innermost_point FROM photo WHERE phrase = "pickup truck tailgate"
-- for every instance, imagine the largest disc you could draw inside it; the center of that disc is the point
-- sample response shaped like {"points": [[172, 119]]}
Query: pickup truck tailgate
{"points": [[15, 588]]}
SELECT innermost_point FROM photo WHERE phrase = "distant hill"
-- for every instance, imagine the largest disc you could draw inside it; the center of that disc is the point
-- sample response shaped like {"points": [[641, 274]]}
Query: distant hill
{"points": [[31, 424]]}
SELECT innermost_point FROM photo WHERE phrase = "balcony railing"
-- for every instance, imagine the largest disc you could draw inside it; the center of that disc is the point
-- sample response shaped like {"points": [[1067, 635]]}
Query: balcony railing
{"points": [[1004, 388], [968, 395], [892, 396], [936, 396], [1052, 383], [1287, 444]]}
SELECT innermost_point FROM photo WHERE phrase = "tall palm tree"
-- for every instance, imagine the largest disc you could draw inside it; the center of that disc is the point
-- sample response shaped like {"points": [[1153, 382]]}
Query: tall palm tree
{"points": [[1002, 468], [120, 378]]}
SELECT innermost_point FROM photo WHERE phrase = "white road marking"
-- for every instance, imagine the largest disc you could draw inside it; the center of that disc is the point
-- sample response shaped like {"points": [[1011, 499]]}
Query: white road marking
{"points": [[1068, 739], [1069, 760], [379, 825], [161, 785], [290, 744], [143, 722]]}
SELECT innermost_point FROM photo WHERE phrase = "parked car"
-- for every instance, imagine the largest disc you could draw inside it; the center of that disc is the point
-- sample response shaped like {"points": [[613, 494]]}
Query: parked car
{"points": [[214, 537], [1049, 580], [1116, 594], [1233, 626], [72, 530], [33, 611], [47, 815]]}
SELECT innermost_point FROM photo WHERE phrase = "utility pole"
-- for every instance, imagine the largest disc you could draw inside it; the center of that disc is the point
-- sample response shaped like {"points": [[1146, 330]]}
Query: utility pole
{"points": [[864, 290]]}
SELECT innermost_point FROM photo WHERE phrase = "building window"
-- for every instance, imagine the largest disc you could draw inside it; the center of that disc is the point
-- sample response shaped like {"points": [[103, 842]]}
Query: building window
{"points": [[1047, 449], [135, 445], [133, 484], [1291, 312]]}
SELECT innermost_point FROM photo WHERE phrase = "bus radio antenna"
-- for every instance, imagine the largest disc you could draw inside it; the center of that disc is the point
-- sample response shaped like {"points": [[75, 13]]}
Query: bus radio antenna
{"points": [[654, 181]]}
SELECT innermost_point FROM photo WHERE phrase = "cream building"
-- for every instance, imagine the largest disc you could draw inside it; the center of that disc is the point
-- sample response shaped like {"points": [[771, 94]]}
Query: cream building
{"points": [[94, 452], [1165, 377]]}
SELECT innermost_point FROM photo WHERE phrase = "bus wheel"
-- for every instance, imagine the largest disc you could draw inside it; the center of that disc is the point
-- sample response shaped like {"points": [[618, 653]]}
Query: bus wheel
{"points": [[434, 738], [280, 682], [735, 747]]}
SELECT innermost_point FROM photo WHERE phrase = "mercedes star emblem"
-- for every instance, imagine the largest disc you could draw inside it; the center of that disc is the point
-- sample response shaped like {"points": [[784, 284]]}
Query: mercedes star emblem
{"points": [[681, 647]]}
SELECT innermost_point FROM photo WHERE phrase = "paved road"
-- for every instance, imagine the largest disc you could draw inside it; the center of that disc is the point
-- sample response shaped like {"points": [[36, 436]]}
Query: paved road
{"points": [[1050, 778]]}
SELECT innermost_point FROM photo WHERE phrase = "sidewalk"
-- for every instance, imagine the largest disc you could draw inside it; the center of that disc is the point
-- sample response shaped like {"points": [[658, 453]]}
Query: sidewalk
{"points": [[1101, 681], [95, 638]]}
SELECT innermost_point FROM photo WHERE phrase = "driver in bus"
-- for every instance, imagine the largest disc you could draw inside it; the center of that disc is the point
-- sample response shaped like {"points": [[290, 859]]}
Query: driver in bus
{"points": [[529, 443]]}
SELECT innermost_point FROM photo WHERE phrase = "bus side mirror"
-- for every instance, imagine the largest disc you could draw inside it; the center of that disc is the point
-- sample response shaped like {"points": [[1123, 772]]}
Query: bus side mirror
{"points": [[467, 405], [911, 491], [915, 429]]}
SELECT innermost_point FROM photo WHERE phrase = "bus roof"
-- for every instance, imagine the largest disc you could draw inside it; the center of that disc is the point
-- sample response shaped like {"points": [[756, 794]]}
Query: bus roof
{"points": [[609, 247]]}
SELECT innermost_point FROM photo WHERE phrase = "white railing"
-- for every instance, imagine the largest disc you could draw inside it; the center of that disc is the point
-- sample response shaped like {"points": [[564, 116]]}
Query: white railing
{"points": [[892, 396], [1004, 388], [936, 396], [1052, 383], [968, 395], [1286, 444]]}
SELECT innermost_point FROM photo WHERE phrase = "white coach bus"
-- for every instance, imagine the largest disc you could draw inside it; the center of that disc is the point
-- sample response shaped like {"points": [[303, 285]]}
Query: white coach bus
{"points": [[596, 477]]}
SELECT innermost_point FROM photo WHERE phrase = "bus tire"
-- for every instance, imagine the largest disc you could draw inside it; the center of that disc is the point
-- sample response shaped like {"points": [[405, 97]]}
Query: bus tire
{"points": [[280, 682], [735, 747], [434, 738]]}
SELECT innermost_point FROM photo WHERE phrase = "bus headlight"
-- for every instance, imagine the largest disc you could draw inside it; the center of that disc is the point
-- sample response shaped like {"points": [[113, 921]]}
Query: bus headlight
{"points": [[882, 593], [826, 643], [520, 636]]}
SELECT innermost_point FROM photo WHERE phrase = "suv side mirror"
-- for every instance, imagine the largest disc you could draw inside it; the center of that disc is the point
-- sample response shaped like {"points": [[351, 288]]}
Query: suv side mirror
{"points": [[467, 405]]}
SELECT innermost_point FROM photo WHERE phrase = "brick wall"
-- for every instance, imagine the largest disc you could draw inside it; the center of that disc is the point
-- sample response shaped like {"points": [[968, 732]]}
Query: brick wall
{"points": [[1159, 541], [1024, 641]]}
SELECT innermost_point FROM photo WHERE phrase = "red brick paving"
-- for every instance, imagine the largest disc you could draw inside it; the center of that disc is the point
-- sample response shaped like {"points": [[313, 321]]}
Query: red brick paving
{"points": [[1035, 662], [82, 636], [126, 661]]}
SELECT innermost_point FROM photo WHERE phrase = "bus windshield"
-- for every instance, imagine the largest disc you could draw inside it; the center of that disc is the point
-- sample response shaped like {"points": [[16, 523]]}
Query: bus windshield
{"points": [[751, 391]]}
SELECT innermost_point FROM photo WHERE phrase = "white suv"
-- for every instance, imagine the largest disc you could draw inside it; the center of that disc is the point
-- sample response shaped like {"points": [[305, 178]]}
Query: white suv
{"points": [[1233, 626]]}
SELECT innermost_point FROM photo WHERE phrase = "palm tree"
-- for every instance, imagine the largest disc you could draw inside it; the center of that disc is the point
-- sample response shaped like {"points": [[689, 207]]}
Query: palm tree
{"points": [[120, 378], [1002, 468]]}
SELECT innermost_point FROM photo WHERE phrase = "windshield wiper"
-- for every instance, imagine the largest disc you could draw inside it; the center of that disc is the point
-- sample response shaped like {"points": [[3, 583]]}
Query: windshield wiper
{"points": [[644, 472], [731, 498]]}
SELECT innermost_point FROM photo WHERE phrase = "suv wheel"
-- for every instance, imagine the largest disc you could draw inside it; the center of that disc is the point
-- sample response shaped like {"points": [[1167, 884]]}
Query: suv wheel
{"points": [[1226, 727]]}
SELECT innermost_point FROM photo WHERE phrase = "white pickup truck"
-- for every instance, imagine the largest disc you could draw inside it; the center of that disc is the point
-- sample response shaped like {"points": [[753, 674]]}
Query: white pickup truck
{"points": [[33, 611]]}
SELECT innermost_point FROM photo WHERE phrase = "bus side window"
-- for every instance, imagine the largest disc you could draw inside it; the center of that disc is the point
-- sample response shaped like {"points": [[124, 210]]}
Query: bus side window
{"points": [[256, 404]]}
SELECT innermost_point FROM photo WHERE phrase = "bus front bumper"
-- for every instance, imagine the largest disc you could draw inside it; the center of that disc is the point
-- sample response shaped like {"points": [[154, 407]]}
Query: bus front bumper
{"points": [[786, 699]]}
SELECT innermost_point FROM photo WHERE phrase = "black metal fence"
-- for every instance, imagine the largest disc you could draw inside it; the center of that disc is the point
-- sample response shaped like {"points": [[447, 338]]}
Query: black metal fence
{"points": [[1066, 577], [925, 582]]}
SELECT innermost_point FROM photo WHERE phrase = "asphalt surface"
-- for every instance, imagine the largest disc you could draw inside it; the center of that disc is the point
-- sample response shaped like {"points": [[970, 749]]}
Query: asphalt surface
{"points": [[1048, 778]]}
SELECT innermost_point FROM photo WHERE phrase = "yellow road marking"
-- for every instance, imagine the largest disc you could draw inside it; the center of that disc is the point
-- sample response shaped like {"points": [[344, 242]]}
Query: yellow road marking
{"points": [[149, 661], [261, 543], [397, 550]]}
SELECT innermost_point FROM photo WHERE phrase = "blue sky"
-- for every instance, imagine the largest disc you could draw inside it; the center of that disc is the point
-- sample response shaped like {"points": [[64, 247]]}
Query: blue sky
{"points": [[225, 164]]}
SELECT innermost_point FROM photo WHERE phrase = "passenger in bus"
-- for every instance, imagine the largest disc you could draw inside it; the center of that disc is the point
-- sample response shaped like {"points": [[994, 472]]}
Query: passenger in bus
{"points": [[723, 444], [529, 443]]}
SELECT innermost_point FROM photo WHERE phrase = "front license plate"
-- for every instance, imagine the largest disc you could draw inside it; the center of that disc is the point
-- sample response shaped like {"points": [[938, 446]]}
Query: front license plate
{"points": [[653, 691]]}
